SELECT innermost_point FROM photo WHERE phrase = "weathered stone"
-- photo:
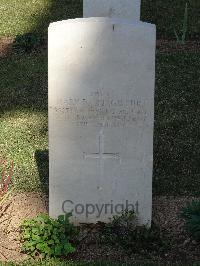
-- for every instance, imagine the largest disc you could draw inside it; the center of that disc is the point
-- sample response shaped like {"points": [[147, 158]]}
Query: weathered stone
{"points": [[129, 9], [101, 114]]}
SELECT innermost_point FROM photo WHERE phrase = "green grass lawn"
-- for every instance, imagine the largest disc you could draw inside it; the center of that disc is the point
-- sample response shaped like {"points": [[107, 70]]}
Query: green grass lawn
{"points": [[23, 117], [22, 16], [177, 118], [23, 122]]}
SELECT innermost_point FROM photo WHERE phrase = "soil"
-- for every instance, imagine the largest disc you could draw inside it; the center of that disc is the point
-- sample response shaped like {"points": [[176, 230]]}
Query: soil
{"points": [[168, 46], [12, 212], [6, 46], [165, 215]]}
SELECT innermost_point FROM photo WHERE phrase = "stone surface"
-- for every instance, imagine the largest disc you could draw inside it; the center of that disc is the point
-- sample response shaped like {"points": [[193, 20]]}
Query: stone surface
{"points": [[101, 114], [129, 9]]}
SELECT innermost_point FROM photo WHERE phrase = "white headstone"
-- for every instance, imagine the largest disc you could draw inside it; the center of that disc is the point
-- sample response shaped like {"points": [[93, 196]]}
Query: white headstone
{"points": [[101, 114], [129, 9]]}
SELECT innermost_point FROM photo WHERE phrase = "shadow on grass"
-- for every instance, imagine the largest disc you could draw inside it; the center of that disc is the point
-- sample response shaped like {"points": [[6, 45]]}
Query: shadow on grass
{"points": [[55, 11], [24, 97], [24, 83], [42, 160], [59, 10], [24, 74]]}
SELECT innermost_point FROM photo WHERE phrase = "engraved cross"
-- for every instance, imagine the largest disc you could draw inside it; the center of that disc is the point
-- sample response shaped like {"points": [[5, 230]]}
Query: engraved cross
{"points": [[101, 154]]}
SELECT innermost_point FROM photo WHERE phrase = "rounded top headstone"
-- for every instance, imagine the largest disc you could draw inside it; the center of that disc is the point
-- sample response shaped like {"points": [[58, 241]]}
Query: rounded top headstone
{"points": [[128, 9]]}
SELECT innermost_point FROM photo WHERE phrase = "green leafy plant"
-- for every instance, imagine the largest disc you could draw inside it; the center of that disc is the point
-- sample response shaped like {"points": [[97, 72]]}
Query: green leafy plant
{"points": [[182, 38], [45, 237], [125, 231], [191, 214]]}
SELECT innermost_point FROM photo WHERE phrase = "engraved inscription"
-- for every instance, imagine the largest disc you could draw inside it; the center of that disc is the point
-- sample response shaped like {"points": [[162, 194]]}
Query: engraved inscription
{"points": [[101, 109]]}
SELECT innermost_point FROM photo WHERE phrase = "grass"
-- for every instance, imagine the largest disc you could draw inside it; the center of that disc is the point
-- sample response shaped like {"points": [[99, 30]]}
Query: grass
{"points": [[19, 17], [177, 135], [23, 122], [23, 135], [23, 117], [168, 14]]}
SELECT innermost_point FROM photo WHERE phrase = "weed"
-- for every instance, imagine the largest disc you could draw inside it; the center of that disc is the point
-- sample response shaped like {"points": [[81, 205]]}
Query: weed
{"points": [[181, 39], [125, 231], [191, 213], [44, 237]]}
